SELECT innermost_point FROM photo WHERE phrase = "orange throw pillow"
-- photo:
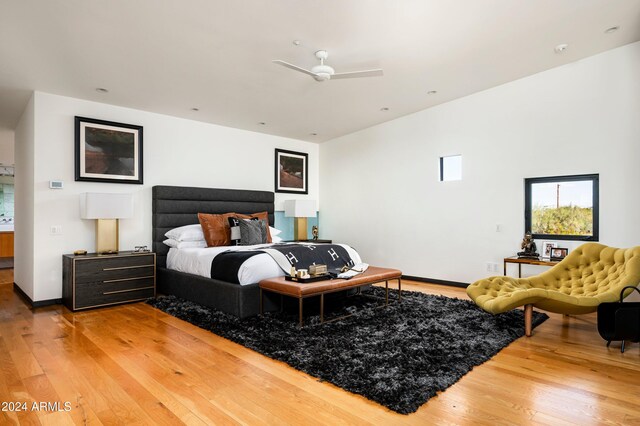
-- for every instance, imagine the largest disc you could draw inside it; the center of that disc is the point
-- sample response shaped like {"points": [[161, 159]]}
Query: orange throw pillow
{"points": [[261, 216], [215, 228]]}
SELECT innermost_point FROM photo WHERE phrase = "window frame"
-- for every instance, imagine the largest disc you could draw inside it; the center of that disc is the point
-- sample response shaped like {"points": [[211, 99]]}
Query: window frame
{"points": [[442, 157], [595, 180]]}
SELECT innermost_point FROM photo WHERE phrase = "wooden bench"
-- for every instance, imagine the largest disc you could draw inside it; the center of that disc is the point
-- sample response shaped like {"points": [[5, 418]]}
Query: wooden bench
{"points": [[301, 291]]}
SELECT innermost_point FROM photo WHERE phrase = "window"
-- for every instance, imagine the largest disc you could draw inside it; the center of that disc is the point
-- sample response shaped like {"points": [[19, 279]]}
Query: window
{"points": [[562, 207], [450, 168]]}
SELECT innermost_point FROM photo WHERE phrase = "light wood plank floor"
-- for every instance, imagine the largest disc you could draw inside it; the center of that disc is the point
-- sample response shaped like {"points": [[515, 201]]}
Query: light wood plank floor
{"points": [[133, 364]]}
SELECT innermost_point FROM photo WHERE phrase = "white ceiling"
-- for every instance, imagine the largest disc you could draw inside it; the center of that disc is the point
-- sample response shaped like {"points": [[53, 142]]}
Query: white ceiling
{"points": [[171, 56]]}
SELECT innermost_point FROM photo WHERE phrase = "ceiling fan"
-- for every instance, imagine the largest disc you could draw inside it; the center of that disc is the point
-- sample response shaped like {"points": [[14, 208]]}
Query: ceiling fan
{"points": [[324, 72]]}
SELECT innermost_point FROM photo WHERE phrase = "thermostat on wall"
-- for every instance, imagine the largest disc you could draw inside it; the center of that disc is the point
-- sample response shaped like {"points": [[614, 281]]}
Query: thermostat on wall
{"points": [[56, 184]]}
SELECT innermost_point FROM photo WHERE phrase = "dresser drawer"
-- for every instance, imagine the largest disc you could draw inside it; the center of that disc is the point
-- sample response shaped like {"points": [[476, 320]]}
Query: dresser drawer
{"points": [[113, 268], [92, 294]]}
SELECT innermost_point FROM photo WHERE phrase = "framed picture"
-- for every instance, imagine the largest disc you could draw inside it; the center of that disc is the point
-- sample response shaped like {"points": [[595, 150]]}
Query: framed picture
{"points": [[292, 172], [108, 151], [546, 248], [558, 253]]}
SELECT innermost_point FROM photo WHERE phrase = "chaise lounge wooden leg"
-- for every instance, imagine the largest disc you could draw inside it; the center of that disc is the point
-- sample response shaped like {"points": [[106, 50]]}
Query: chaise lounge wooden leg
{"points": [[528, 318]]}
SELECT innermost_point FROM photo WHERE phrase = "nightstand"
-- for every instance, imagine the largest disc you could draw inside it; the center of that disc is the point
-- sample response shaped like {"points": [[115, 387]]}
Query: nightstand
{"points": [[94, 280], [309, 241]]}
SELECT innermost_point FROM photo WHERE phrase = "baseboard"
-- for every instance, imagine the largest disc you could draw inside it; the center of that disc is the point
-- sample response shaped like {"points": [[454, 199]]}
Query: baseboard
{"points": [[435, 281], [31, 303]]}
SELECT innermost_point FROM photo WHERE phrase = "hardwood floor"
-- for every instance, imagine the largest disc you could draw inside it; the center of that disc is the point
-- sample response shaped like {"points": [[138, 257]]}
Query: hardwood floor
{"points": [[133, 364]]}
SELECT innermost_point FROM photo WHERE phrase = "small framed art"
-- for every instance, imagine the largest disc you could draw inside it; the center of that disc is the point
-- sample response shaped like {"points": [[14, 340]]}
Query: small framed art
{"points": [[106, 151], [292, 172], [546, 248], [559, 253]]}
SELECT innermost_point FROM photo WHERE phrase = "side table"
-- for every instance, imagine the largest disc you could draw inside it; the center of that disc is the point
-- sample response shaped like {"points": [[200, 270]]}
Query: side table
{"points": [[527, 261]]}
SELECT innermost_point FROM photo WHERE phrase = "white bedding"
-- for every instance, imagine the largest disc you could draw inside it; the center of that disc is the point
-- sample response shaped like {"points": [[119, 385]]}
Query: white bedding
{"points": [[197, 261]]}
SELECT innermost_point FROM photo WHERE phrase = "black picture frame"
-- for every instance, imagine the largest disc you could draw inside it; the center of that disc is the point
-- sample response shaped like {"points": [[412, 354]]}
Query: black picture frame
{"points": [[594, 178], [291, 172], [106, 151], [558, 253]]}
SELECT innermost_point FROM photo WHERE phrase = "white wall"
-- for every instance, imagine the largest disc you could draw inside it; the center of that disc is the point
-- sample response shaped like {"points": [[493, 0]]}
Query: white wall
{"points": [[7, 155], [24, 211], [580, 118], [176, 152]]}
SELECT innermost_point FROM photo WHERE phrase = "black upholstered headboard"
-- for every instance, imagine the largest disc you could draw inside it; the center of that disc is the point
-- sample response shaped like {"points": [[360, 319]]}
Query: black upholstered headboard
{"points": [[175, 206]]}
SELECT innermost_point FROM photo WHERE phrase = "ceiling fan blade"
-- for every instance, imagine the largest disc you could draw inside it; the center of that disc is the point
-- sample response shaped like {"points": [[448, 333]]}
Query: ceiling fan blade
{"points": [[294, 67], [355, 74]]}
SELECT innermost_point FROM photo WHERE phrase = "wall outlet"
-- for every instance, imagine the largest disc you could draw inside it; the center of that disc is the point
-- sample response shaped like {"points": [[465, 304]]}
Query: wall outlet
{"points": [[56, 230], [498, 227], [492, 267]]}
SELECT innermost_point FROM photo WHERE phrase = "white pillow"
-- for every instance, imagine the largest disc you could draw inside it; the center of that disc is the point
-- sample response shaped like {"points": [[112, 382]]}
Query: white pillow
{"points": [[274, 231], [185, 244], [186, 233], [275, 239]]}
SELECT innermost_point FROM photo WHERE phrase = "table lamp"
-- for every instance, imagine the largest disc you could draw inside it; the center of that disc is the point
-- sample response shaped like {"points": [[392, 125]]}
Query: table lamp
{"points": [[107, 209], [300, 210]]}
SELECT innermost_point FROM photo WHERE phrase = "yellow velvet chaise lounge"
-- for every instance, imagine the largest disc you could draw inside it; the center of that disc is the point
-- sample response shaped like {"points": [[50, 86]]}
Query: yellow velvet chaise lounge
{"points": [[591, 274]]}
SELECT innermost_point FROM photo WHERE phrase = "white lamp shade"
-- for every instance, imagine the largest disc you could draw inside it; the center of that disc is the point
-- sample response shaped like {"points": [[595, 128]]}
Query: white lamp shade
{"points": [[95, 205], [300, 208]]}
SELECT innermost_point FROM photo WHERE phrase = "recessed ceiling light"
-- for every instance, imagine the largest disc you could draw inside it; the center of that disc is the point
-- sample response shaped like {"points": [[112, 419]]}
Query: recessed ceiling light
{"points": [[561, 48], [102, 90], [262, 123], [313, 134], [384, 109], [432, 92], [611, 30], [296, 42], [195, 109]]}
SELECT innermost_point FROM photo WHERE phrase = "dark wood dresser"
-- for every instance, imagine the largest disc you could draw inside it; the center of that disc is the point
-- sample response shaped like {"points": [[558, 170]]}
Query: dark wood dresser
{"points": [[94, 280]]}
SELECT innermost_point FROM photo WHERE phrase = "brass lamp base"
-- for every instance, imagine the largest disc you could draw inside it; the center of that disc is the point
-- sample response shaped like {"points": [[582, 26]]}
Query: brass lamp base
{"points": [[300, 229], [107, 236]]}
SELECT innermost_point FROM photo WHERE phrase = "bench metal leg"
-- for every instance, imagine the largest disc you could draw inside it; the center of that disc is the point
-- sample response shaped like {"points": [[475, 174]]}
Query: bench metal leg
{"points": [[386, 293], [261, 303], [300, 311], [321, 308], [399, 289]]}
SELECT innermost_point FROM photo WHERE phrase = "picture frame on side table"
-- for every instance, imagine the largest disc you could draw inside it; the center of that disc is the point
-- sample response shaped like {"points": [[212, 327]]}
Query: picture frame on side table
{"points": [[291, 172], [106, 151], [546, 248], [559, 253]]}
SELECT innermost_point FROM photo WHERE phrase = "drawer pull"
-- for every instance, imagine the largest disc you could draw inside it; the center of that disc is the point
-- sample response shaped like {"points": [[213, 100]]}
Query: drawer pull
{"points": [[127, 279], [126, 291], [127, 267]]}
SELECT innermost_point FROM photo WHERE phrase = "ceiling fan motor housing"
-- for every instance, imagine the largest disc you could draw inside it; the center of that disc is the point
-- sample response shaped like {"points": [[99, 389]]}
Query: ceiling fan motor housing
{"points": [[323, 72]]}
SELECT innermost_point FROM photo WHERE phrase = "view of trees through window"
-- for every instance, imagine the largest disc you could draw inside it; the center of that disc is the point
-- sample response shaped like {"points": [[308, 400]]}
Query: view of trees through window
{"points": [[560, 207]]}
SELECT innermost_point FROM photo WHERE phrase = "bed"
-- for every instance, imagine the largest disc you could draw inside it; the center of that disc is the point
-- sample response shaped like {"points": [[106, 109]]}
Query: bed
{"points": [[174, 206]]}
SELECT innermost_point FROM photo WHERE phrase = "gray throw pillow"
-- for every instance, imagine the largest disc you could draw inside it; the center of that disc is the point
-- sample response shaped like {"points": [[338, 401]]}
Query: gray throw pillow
{"points": [[252, 232]]}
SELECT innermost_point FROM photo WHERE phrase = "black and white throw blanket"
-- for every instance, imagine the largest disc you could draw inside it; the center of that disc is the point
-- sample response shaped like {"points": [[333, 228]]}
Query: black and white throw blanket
{"points": [[225, 266], [304, 255]]}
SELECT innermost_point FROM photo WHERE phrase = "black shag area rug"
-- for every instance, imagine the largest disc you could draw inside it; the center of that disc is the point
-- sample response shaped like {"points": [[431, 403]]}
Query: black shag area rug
{"points": [[399, 356]]}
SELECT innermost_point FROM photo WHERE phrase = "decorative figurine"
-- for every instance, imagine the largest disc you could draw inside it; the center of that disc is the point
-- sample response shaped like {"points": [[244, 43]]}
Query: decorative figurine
{"points": [[314, 231], [529, 247]]}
